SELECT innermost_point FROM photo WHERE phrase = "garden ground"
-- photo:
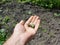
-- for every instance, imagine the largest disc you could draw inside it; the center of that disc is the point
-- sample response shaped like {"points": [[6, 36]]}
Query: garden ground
{"points": [[49, 29]]}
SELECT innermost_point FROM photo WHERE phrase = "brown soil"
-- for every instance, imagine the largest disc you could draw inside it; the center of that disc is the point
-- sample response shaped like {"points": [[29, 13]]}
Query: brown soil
{"points": [[49, 29]]}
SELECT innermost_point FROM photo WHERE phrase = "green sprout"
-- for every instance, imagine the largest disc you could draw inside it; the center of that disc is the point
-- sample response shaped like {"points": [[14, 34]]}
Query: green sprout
{"points": [[44, 30], [31, 25], [6, 19], [56, 14]]}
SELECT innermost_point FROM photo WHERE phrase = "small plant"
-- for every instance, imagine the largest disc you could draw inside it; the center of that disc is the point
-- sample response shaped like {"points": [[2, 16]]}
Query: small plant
{"points": [[56, 14], [2, 30], [23, 1], [43, 3], [31, 25], [6, 19], [2, 36], [1, 42], [44, 30], [2, 1], [5, 1]]}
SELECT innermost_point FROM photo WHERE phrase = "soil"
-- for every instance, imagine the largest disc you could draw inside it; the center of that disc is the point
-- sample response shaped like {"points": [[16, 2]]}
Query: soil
{"points": [[49, 29]]}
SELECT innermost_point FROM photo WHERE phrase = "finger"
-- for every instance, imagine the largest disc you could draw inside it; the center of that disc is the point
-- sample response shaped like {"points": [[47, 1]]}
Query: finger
{"points": [[22, 22], [29, 20], [37, 25], [36, 20], [33, 19]]}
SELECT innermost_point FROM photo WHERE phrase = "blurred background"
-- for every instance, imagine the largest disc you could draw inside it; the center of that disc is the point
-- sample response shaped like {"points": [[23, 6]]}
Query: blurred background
{"points": [[12, 11]]}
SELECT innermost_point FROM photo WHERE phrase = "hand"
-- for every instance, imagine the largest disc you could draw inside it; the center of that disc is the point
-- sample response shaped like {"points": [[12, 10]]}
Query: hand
{"points": [[36, 21], [23, 32]]}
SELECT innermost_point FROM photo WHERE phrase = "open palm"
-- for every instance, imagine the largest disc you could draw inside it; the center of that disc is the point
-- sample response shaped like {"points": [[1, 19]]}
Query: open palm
{"points": [[35, 20]]}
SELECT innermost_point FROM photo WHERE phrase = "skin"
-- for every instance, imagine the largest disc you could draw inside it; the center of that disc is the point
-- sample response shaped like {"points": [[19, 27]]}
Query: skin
{"points": [[22, 32]]}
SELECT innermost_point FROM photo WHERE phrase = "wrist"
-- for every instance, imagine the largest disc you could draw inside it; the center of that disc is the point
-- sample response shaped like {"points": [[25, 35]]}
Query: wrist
{"points": [[17, 39], [14, 40]]}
